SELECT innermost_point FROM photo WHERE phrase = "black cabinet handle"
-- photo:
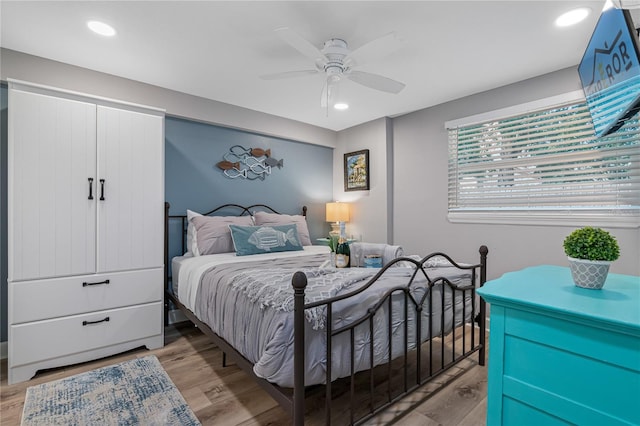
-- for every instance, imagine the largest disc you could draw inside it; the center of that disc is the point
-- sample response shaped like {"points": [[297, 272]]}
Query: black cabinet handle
{"points": [[86, 284], [90, 188], [101, 189], [95, 322]]}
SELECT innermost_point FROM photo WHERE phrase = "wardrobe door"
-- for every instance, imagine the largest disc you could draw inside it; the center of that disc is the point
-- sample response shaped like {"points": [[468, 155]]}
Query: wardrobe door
{"points": [[130, 189], [52, 184]]}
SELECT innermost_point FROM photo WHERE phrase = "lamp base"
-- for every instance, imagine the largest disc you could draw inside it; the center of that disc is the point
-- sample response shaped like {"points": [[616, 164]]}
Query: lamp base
{"points": [[335, 229]]}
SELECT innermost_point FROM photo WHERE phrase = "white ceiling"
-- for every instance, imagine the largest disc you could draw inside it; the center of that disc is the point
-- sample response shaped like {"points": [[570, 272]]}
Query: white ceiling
{"points": [[218, 50]]}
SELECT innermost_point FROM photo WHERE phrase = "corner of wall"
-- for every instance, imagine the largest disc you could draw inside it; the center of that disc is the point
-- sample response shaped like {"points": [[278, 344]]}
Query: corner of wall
{"points": [[373, 136]]}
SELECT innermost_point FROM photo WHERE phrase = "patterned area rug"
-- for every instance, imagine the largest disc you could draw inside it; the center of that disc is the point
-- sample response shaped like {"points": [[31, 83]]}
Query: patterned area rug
{"points": [[135, 392]]}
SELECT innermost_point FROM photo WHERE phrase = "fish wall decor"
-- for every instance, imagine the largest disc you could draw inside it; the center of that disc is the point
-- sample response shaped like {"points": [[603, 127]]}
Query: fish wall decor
{"points": [[248, 163]]}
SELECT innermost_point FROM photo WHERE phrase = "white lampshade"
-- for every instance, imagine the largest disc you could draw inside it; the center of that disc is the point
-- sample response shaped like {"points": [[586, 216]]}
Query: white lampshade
{"points": [[337, 212]]}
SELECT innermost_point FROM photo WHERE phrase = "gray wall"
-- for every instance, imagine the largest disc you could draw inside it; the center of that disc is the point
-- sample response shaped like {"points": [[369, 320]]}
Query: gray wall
{"points": [[420, 189]]}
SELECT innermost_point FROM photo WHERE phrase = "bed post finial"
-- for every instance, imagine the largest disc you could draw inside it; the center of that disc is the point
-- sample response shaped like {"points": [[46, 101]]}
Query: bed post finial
{"points": [[304, 211], [484, 250], [299, 283]]}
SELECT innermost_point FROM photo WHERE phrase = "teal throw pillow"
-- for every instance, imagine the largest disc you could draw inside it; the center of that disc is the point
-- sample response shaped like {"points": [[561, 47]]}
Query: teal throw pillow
{"points": [[265, 239]]}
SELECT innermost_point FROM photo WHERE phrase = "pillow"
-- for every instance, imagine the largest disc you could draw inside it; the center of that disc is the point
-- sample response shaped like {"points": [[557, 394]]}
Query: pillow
{"points": [[264, 218], [212, 233], [191, 232], [265, 239]]}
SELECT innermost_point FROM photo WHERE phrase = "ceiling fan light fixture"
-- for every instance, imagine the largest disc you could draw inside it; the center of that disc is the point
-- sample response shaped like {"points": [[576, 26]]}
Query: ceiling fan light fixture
{"points": [[101, 28], [572, 17], [341, 106]]}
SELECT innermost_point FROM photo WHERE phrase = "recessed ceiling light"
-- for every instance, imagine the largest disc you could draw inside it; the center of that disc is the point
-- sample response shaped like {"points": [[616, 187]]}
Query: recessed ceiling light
{"points": [[572, 17], [101, 28], [341, 106]]}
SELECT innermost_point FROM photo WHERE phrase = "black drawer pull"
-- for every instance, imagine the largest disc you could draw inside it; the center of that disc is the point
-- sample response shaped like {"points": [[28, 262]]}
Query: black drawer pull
{"points": [[86, 284], [90, 188], [95, 322], [101, 189]]}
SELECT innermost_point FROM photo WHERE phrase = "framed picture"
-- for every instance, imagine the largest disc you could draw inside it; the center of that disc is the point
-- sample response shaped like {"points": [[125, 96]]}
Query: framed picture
{"points": [[356, 170]]}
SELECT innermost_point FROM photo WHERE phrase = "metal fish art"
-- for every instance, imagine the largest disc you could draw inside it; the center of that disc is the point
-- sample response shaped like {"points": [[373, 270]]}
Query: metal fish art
{"points": [[260, 168], [272, 162], [234, 173], [267, 238], [248, 163], [240, 151], [228, 165], [259, 152]]}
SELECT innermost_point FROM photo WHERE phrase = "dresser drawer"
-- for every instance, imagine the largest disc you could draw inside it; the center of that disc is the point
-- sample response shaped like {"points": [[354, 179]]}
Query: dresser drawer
{"points": [[58, 297], [54, 338]]}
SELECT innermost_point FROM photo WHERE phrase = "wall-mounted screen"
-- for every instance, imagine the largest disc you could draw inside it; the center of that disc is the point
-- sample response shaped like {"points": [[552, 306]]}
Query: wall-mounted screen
{"points": [[610, 71]]}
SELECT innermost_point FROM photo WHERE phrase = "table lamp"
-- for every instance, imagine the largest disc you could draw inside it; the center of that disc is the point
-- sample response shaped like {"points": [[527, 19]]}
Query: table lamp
{"points": [[337, 214]]}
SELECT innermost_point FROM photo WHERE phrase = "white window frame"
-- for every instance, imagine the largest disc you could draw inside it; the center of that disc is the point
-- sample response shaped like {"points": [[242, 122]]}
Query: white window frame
{"points": [[568, 217]]}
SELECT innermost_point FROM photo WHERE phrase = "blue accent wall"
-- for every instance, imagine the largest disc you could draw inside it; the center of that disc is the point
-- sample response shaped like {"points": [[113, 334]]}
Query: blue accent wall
{"points": [[193, 181]]}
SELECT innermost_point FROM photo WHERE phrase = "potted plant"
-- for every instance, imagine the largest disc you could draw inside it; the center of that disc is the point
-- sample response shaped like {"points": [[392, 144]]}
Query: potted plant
{"points": [[590, 251]]}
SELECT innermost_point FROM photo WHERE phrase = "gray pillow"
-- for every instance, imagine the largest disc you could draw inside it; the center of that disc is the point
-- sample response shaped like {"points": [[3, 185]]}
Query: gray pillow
{"points": [[191, 232], [264, 218], [212, 234]]}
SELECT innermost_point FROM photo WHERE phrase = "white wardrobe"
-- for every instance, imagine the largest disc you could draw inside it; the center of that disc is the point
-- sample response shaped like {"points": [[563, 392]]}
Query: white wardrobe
{"points": [[85, 232]]}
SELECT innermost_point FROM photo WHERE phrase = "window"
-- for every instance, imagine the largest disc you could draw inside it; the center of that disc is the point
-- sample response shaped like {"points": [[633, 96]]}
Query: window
{"points": [[543, 165]]}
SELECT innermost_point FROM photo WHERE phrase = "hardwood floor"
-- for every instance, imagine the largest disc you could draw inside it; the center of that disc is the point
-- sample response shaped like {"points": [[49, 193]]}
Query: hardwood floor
{"points": [[227, 396]]}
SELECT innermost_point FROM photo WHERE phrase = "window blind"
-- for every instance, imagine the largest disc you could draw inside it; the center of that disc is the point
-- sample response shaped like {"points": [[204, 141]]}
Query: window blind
{"points": [[544, 161]]}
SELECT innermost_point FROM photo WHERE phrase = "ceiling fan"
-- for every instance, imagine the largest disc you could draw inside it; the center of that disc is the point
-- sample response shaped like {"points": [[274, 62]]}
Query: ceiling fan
{"points": [[336, 61]]}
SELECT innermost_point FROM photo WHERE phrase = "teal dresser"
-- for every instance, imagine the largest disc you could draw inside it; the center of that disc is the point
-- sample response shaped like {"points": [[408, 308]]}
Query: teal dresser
{"points": [[560, 354]]}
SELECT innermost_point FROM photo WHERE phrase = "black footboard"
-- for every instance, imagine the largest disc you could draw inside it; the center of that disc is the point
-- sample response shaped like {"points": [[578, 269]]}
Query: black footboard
{"points": [[414, 374]]}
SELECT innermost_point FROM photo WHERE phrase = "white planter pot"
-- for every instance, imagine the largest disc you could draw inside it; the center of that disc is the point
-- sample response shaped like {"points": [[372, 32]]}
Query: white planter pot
{"points": [[589, 273]]}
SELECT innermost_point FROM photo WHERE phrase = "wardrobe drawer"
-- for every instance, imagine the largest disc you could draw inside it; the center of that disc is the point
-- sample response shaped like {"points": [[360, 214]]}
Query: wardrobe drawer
{"points": [[57, 297], [54, 338]]}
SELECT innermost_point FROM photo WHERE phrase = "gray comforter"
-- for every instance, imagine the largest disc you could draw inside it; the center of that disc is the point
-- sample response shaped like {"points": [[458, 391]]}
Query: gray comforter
{"points": [[250, 305]]}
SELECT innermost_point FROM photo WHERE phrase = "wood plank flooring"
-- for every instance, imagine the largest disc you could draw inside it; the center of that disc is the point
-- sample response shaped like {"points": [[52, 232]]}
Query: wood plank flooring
{"points": [[228, 397]]}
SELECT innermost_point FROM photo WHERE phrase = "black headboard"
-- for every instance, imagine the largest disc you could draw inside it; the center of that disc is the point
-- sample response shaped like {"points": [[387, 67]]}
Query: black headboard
{"points": [[223, 210]]}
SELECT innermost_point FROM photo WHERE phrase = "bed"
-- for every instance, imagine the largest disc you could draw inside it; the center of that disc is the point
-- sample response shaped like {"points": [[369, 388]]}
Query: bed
{"points": [[298, 326]]}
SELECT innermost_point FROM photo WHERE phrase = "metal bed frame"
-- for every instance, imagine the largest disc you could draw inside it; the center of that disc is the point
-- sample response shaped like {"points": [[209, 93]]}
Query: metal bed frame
{"points": [[293, 400]]}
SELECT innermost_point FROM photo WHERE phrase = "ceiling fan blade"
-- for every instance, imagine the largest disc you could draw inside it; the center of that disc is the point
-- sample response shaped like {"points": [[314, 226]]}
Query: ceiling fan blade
{"points": [[288, 74], [300, 44], [375, 49], [375, 81]]}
